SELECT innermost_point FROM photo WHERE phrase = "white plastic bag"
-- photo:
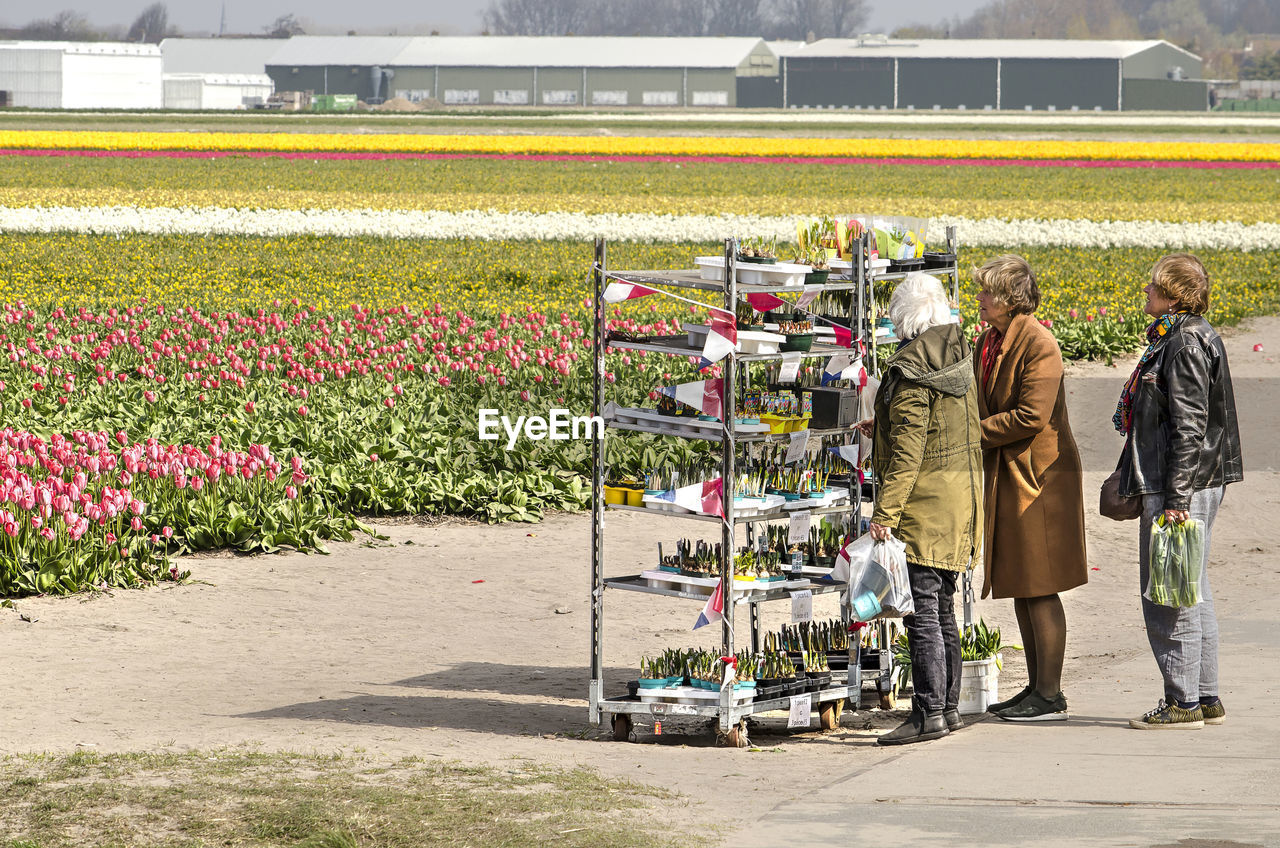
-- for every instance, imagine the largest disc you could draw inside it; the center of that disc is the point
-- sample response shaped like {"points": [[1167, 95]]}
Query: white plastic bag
{"points": [[879, 586]]}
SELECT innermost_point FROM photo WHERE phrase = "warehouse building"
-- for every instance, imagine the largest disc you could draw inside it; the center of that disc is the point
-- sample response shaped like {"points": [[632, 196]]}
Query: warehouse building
{"points": [[1038, 74], [528, 71], [80, 75]]}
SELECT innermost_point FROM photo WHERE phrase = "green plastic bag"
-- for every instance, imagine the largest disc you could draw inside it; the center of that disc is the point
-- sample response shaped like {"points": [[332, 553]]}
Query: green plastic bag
{"points": [[1177, 557]]}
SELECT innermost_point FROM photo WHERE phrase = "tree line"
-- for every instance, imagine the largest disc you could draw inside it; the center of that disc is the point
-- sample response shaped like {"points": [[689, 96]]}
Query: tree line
{"points": [[772, 19]]}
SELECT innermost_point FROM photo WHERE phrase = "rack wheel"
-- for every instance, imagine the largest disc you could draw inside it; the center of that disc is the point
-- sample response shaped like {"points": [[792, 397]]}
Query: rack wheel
{"points": [[889, 700], [830, 714], [622, 728], [737, 737]]}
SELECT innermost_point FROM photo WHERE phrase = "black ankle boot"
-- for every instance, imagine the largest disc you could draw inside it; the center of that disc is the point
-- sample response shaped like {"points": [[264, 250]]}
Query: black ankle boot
{"points": [[917, 728]]}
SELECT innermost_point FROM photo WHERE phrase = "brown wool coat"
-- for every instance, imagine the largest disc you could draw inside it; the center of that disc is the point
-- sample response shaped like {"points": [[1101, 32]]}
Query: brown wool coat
{"points": [[1033, 484]]}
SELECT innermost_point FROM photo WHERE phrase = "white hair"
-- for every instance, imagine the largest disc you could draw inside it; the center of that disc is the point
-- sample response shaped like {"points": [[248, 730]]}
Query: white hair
{"points": [[917, 304]]}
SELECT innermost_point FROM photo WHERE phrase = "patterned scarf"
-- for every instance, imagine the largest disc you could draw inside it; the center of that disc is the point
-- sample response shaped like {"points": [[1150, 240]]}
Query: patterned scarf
{"points": [[1156, 334], [990, 352]]}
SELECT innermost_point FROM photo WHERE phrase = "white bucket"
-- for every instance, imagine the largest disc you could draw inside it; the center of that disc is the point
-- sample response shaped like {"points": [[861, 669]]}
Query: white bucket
{"points": [[979, 686]]}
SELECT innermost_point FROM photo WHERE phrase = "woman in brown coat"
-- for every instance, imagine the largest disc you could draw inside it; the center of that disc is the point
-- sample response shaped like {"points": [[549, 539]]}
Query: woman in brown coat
{"points": [[1035, 545]]}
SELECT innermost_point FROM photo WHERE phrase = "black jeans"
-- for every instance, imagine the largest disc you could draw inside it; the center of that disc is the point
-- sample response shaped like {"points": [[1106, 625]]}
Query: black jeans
{"points": [[934, 638]]}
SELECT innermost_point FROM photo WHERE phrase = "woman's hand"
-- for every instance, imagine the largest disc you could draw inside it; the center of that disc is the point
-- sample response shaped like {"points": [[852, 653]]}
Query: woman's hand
{"points": [[1176, 516], [879, 532], [867, 427]]}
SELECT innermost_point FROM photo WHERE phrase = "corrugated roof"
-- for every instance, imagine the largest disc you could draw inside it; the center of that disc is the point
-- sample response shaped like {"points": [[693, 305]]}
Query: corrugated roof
{"points": [[104, 48], [979, 48], [340, 50], [218, 55], [516, 51], [577, 52]]}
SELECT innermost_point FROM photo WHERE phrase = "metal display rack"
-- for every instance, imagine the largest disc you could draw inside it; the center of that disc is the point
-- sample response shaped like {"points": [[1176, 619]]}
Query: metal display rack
{"points": [[730, 713]]}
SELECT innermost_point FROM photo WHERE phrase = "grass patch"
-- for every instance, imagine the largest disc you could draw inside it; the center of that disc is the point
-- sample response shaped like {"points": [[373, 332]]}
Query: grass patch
{"points": [[231, 797]]}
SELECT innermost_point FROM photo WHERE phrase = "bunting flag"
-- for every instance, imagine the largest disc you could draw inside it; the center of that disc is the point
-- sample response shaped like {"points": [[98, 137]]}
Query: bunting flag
{"points": [[704, 498], [810, 292], [849, 453], [844, 336], [617, 291], [713, 610], [706, 396], [722, 339], [844, 366], [763, 302]]}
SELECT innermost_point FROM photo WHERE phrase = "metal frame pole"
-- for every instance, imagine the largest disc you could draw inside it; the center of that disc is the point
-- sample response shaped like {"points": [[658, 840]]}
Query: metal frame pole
{"points": [[597, 488], [728, 450]]}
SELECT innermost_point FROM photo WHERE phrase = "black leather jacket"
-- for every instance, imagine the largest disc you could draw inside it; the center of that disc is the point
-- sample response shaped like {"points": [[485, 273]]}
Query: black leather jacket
{"points": [[1184, 435]]}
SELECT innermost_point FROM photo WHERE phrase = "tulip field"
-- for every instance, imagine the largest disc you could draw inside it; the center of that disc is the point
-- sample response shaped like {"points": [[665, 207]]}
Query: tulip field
{"points": [[256, 349]]}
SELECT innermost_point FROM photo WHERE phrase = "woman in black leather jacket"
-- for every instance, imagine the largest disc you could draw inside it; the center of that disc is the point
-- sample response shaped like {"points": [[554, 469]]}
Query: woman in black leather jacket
{"points": [[1182, 448]]}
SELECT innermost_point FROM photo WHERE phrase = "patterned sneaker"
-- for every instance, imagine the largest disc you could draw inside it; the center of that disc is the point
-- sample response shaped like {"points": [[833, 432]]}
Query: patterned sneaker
{"points": [[1169, 717], [1214, 713]]}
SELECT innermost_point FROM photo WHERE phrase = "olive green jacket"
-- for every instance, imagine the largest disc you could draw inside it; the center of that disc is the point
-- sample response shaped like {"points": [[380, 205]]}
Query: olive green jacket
{"points": [[927, 450]]}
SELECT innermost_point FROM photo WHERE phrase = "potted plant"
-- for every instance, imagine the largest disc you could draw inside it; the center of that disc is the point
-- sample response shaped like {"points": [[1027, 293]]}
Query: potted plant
{"points": [[799, 333], [758, 251], [980, 648]]}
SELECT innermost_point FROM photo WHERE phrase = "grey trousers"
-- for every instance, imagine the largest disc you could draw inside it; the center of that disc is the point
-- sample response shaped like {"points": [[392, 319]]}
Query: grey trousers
{"points": [[1185, 641]]}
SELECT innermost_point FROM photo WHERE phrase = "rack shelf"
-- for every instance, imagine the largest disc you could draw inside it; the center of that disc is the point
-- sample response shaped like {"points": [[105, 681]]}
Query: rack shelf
{"points": [[879, 663]]}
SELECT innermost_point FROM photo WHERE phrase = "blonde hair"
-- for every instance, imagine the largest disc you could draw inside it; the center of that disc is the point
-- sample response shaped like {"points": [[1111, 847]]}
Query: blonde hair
{"points": [[917, 304], [1181, 277], [1010, 280]]}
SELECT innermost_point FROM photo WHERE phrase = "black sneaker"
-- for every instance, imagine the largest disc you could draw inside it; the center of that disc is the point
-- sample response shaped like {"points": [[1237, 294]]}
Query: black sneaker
{"points": [[953, 720], [1036, 707], [1170, 717], [1012, 702], [917, 728], [1214, 713]]}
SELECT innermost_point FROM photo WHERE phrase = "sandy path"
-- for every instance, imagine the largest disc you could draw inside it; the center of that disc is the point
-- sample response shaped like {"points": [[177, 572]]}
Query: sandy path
{"points": [[392, 648]]}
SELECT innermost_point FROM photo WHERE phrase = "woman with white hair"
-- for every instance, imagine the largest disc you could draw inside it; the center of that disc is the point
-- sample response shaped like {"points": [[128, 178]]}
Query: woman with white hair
{"points": [[927, 455]]}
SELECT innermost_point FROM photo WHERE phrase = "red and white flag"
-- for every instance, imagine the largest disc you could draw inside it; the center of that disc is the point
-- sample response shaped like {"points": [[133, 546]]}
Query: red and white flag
{"points": [[705, 497], [722, 339], [713, 610], [763, 302], [844, 336], [618, 291], [706, 396], [810, 293]]}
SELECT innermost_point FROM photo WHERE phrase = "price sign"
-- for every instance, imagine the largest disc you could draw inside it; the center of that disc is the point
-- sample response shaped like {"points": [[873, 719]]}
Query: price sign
{"points": [[798, 447], [790, 366], [801, 710], [801, 606], [799, 531]]}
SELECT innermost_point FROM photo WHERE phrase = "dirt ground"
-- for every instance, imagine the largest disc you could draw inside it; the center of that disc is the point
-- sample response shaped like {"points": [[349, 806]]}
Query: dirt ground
{"points": [[470, 642]]}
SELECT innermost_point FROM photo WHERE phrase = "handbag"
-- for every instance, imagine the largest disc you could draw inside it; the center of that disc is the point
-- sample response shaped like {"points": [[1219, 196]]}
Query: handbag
{"points": [[1114, 505]]}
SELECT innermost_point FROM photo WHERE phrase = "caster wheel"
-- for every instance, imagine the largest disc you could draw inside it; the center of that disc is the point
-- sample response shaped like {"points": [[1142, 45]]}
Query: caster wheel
{"points": [[889, 700], [737, 737], [622, 728], [830, 714]]}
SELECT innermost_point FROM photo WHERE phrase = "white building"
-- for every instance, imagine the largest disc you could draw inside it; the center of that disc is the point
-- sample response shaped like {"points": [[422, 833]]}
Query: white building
{"points": [[216, 91], [81, 75]]}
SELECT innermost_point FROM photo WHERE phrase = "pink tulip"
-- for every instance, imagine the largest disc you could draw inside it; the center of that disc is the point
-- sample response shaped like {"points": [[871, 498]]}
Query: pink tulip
{"points": [[290, 492]]}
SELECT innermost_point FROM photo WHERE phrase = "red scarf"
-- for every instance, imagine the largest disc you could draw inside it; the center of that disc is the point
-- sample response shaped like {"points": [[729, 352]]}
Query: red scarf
{"points": [[990, 352]]}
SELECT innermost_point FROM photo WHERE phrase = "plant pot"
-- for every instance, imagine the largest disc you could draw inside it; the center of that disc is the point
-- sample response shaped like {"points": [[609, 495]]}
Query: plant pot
{"points": [[755, 328], [802, 342], [979, 685], [635, 497], [816, 277], [653, 682], [758, 260], [824, 562], [615, 495], [792, 496]]}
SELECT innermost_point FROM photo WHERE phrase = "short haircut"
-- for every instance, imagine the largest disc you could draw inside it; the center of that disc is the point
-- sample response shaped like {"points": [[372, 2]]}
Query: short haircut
{"points": [[1181, 277], [917, 304], [1010, 280]]}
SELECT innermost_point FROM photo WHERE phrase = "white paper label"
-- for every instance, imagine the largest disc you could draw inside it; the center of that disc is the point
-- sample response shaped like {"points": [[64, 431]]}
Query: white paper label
{"points": [[801, 606], [790, 366], [799, 531], [801, 710], [798, 447]]}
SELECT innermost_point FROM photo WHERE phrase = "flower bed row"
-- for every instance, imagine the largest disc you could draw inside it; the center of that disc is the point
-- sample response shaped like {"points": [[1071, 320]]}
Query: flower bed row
{"points": [[645, 146], [573, 226], [701, 188], [91, 509]]}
